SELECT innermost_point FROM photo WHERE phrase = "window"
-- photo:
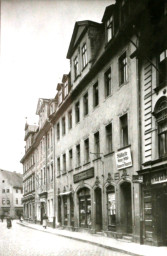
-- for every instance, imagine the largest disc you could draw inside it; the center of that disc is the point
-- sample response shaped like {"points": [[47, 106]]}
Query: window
{"points": [[78, 156], [97, 144], [58, 166], [70, 119], [58, 131], [76, 67], [63, 126], [48, 174], [123, 72], [86, 146], [161, 114], [84, 56], [95, 95], [3, 201], [17, 201], [8, 202], [51, 172], [77, 112], [111, 207], [110, 29], [3, 190], [85, 102], [107, 78], [60, 96], [16, 190], [109, 138], [65, 89], [124, 130], [44, 175], [8, 191], [70, 159], [64, 163], [163, 67]]}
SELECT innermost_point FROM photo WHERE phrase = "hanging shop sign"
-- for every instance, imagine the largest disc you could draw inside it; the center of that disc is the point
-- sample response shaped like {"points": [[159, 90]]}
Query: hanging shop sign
{"points": [[123, 158], [137, 178], [84, 175], [160, 177]]}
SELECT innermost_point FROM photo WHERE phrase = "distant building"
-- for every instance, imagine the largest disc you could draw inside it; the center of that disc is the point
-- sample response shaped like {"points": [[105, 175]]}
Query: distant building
{"points": [[11, 193]]}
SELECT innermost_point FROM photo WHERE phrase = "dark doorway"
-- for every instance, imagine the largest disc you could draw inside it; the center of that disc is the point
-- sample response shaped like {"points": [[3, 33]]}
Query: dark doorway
{"points": [[71, 210], [42, 211], [59, 210], [126, 207], [98, 209], [160, 216]]}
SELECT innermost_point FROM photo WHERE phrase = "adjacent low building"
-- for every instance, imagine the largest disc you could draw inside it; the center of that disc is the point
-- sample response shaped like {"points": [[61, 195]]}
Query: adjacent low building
{"points": [[11, 194]]}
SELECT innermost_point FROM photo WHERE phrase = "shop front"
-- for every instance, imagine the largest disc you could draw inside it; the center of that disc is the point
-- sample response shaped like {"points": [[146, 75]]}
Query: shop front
{"points": [[155, 207], [43, 206], [84, 200]]}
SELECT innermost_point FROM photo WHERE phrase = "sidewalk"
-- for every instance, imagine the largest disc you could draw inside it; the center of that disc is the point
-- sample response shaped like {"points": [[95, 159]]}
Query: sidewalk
{"points": [[108, 243]]}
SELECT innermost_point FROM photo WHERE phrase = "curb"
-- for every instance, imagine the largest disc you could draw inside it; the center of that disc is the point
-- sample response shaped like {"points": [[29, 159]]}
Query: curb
{"points": [[84, 241]]}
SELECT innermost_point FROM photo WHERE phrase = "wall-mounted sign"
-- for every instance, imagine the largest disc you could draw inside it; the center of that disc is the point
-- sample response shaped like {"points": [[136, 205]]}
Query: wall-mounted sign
{"points": [[84, 175], [137, 178], [42, 200], [159, 177], [123, 158]]}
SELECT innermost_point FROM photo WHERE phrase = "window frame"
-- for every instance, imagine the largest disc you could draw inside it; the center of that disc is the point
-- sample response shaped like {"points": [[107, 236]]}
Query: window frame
{"points": [[123, 69], [63, 125], [86, 149], [109, 139], [86, 104], [95, 94], [76, 67], [124, 130], [109, 28], [78, 155], [70, 119], [77, 112], [97, 144], [107, 82]]}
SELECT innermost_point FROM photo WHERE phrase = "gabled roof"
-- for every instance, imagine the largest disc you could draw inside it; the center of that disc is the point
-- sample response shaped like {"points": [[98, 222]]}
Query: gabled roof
{"points": [[79, 30], [41, 101], [108, 12], [15, 179]]}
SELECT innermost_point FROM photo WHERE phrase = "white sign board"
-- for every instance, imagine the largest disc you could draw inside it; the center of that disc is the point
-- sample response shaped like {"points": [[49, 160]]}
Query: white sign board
{"points": [[42, 200], [123, 159]]}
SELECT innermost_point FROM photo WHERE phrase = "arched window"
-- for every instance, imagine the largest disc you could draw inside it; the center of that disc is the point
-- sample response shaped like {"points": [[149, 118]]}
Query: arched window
{"points": [[161, 117]]}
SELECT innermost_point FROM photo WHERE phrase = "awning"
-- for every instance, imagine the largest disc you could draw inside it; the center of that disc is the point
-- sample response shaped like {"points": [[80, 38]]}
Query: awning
{"points": [[65, 193]]}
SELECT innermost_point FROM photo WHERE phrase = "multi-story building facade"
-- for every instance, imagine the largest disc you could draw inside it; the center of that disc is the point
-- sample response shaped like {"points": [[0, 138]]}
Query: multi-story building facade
{"points": [[100, 148], [97, 131], [153, 83], [38, 166], [11, 194]]}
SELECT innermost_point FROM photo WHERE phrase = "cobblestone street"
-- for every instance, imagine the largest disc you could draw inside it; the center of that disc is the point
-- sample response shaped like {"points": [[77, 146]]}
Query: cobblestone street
{"points": [[21, 241]]}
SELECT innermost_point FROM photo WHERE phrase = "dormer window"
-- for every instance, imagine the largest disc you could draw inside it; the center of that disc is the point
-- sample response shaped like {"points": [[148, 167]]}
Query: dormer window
{"points": [[84, 56], [60, 96], [76, 67], [110, 29], [65, 89], [124, 11]]}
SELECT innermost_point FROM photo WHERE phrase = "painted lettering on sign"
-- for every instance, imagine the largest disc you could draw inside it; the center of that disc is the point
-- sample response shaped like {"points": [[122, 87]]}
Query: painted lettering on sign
{"points": [[123, 159], [84, 175], [159, 177]]}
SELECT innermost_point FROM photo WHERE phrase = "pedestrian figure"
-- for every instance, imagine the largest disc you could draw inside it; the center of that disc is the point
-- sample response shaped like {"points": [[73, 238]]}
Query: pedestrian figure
{"points": [[9, 222], [45, 221], [21, 218]]}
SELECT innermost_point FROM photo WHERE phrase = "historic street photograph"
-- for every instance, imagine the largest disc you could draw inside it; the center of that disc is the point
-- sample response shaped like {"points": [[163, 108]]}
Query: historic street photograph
{"points": [[83, 136]]}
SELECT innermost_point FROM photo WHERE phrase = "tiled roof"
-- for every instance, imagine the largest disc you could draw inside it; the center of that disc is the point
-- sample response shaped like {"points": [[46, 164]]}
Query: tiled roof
{"points": [[15, 179]]}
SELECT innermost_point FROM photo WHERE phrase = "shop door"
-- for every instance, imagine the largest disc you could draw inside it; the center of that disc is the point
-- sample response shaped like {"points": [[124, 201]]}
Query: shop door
{"points": [[71, 211], [84, 208], [98, 209], [127, 207], [161, 217], [59, 210]]}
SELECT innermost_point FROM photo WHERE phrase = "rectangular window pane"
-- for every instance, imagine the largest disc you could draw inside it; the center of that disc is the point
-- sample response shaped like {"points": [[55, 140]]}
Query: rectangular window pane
{"points": [[123, 73], [70, 160], [77, 112], [95, 95], [78, 155], [124, 130], [109, 137], [107, 77], [85, 99], [86, 145], [70, 119], [97, 144]]}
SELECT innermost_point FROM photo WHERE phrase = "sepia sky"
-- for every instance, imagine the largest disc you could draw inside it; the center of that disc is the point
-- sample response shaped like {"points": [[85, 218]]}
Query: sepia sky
{"points": [[35, 35]]}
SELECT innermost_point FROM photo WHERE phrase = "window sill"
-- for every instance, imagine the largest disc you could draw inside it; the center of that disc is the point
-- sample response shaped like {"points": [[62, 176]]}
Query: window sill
{"points": [[124, 147], [70, 170], [98, 158], [84, 67], [58, 176], [86, 163], [76, 78], [64, 173], [122, 84], [159, 160], [110, 153], [78, 167]]}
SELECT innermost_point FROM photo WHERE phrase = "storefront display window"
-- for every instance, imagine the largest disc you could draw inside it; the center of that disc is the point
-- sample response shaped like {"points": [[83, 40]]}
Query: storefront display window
{"points": [[111, 207], [84, 208]]}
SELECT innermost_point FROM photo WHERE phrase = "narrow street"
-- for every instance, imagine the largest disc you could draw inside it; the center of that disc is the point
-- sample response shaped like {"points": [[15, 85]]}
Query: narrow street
{"points": [[22, 241]]}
